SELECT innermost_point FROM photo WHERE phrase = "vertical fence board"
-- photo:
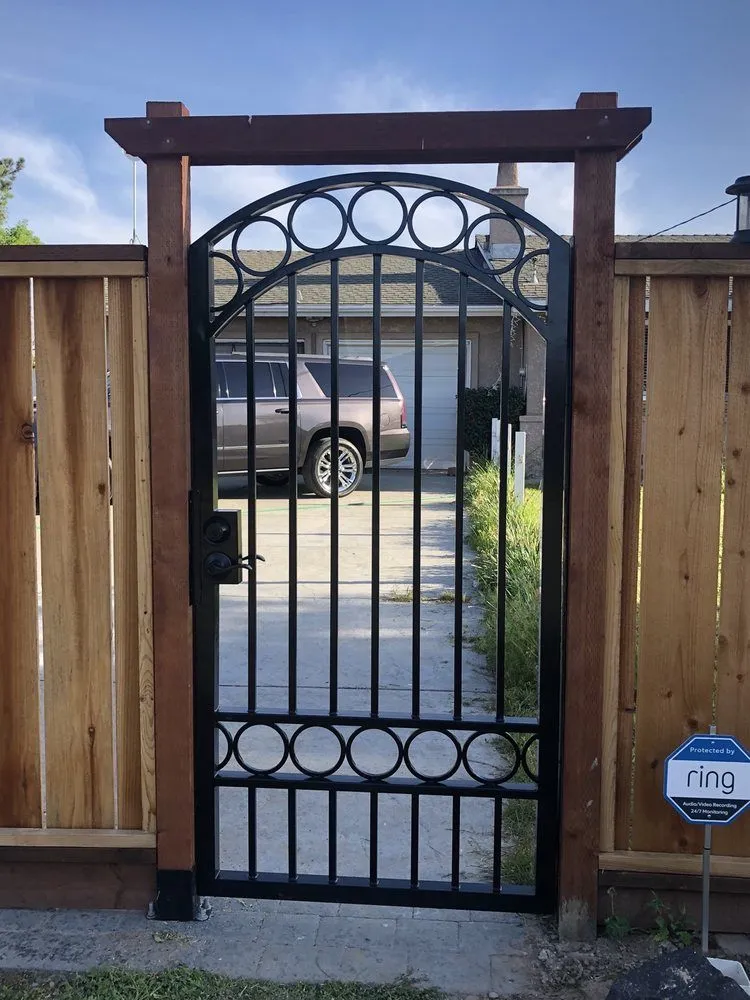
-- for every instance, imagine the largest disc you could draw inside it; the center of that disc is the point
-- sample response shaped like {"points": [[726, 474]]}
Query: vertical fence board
{"points": [[124, 531], [631, 533], [76, 587], [733, 699], [20, 769], [618, 424], [681, 509], [142, 456]]}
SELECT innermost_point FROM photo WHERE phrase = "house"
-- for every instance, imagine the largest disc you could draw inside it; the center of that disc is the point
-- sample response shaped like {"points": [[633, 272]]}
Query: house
{"points": [[493, 250], [441, 293]]}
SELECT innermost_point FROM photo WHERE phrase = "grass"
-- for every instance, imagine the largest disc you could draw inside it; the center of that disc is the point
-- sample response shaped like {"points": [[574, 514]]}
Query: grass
{"points": [[405, 595], [189, 984], [522, 596], [522, 593], [401, 595]]}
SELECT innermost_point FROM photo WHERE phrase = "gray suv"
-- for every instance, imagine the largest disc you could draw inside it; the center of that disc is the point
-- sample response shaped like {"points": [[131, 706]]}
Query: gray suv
{"points": [[313, 388]]}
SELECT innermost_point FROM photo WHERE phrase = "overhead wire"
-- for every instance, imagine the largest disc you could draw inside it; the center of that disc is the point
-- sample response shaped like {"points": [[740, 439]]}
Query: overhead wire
{"points": [[684, 222]]}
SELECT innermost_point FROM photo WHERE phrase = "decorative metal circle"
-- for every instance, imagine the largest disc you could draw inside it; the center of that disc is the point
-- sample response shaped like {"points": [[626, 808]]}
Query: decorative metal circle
{"points": [[366, 190], [517, 280], [504, 777], [236, 252], [503, 218], [323, 196], [260, 725], [311, 772], [221, 728], [432, 777], [449, 197], [235, 267], [530, 742], [373, 775]]}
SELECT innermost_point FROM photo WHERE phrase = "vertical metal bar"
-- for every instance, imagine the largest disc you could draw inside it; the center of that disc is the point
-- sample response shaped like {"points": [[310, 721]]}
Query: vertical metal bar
{"points": [[456, 842], [497, 845], [458, 596], [292, 332], [205, 598], [502, 515], [292, 831], [373, 838], [551, 646], [332, 837], [252, 831], [415, 840], [333, 680], [416, 614], [377, 262], [252, 588]]}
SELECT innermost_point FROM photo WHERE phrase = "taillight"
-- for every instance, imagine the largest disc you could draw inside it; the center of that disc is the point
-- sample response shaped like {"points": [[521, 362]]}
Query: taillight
{"points": [[403, 412]]}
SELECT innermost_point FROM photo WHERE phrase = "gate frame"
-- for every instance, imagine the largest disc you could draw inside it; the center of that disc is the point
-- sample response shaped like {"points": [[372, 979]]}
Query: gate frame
{"points": [[593, 136]]}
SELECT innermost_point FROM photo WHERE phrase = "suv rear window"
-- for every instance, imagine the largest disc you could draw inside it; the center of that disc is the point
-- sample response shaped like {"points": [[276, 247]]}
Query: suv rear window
{"points": [[354, 380]]}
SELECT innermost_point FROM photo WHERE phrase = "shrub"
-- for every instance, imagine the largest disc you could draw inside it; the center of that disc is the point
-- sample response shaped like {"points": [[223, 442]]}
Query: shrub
{"points": [[522, 596], [522, 583], [481, 405]]}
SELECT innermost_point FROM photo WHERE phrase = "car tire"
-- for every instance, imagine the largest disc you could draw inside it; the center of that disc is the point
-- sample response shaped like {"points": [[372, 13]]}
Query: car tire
{"points": [[273, 478], [316, 471]]}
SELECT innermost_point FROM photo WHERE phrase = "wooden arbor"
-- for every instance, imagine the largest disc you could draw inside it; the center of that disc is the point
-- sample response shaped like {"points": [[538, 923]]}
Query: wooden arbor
{"points": [[593, 136]]}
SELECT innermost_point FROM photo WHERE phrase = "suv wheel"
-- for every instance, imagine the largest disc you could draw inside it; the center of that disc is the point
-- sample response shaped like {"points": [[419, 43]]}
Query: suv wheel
{"points": [[318, 468]]}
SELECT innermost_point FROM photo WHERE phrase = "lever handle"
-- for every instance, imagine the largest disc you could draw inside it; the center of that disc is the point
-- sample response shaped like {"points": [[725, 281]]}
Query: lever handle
{"points": [[219, 564]]}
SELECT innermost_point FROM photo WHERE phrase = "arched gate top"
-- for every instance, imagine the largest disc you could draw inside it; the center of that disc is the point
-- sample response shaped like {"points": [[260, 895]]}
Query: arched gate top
{"points": [[535, 240]]}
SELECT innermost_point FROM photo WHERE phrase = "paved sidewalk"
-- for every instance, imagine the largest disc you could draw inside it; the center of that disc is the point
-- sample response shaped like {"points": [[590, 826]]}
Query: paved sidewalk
{"points": [[458, 952]]}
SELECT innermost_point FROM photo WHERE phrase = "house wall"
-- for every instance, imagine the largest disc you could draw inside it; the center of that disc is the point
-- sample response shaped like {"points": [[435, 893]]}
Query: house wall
{"points": [[484, 332]]}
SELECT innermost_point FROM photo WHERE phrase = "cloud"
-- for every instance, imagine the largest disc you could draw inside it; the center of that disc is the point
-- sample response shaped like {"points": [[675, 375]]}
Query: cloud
{"points": [[385, 89], [69, 197], [55, 192]]}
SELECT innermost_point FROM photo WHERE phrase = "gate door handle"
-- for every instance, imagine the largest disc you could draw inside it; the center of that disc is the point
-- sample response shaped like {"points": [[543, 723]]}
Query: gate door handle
{"points": [[219, 564]]}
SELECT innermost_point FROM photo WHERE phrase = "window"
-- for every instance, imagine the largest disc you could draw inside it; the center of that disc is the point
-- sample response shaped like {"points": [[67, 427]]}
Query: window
{"points": [[236, 372], [281, 378], [355, 380], [221, 381]]}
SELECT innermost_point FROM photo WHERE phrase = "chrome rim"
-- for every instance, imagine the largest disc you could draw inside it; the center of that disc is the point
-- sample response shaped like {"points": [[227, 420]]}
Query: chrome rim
{"points": [[347, 468]]}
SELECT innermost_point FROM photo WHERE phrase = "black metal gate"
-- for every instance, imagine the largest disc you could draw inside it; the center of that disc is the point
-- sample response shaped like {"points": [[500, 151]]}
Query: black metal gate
{"points": [[258, 790]]}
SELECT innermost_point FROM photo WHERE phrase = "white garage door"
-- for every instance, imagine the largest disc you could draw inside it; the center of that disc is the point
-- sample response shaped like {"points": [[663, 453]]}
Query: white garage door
{"points": [[438, 392]]}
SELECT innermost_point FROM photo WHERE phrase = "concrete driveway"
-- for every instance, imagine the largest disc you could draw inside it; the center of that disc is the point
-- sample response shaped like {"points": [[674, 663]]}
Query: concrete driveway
{"points": [[318, 748]]}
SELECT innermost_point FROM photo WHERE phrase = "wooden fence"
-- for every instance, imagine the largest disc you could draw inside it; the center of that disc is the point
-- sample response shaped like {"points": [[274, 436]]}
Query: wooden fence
{"points": [[678, 595], [76, 684]]}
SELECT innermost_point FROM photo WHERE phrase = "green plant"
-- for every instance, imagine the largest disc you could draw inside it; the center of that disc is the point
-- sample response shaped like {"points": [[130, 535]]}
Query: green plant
{"points": [[400, 595], [189, 984], [522, 596], [480, 406], [18, 234], [616, 927], [522, 573], [669, 927]]}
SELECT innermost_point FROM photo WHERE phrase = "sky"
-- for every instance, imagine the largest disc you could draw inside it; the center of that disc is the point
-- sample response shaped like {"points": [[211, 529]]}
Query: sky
{"points": [[64, 67]]}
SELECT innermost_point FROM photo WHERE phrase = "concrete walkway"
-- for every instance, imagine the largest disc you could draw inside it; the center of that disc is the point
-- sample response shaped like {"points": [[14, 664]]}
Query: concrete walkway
{"points": [[318, 749], [458, 952]]}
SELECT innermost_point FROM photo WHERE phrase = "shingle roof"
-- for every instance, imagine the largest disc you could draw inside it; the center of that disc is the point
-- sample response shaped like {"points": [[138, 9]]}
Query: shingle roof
{"points": [[398, 285], [441, 283]]}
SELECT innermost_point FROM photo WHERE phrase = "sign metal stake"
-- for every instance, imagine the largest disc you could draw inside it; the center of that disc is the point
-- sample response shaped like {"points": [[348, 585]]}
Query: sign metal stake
{"points": [[706, 878]]}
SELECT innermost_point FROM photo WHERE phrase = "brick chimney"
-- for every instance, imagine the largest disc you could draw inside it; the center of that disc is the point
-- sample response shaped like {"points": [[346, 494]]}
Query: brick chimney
{"points": [[503, 237]]}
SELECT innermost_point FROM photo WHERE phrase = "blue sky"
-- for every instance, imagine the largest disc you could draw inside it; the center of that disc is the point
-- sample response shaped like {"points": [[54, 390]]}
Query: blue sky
{"points": [[685, 58]]}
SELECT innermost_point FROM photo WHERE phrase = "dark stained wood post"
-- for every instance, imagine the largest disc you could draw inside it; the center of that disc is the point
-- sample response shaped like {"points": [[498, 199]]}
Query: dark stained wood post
{"points": [[168, 244], [593, 291]]}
